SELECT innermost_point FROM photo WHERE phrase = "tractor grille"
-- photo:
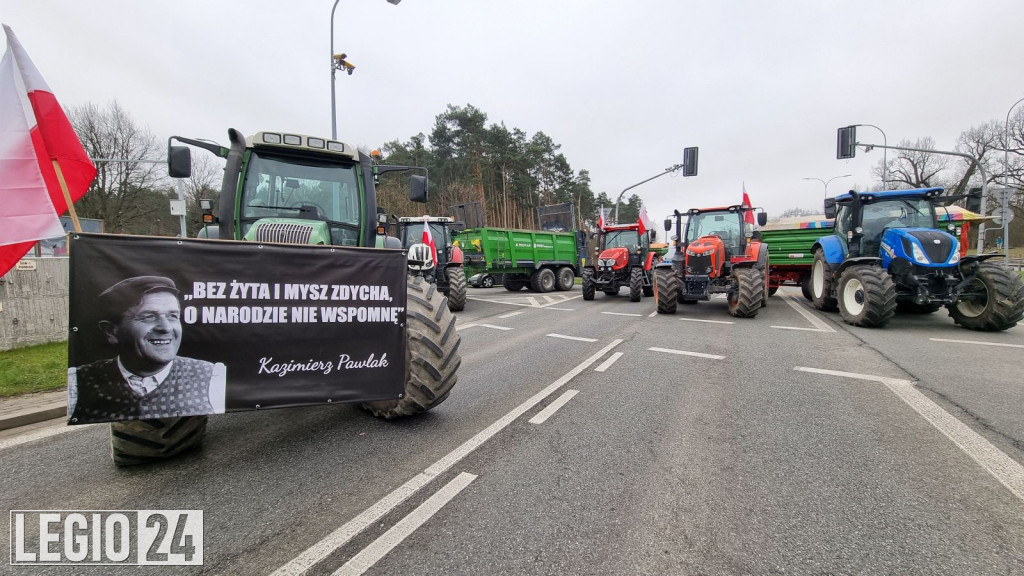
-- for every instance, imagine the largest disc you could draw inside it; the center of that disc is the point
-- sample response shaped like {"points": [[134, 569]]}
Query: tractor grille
{"points": [[937, 252], [282, 233], [699, 264]]}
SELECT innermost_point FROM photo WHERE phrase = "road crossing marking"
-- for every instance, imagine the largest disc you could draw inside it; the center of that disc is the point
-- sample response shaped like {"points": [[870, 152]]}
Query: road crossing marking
{"points": [[652, 314], [493, 327], [685, 353], [607, 363], [819, 324], [530, 301], [325, 547], [387, 541], [707, 321], [977, 342], [998, 464], [578, 338], [510, 314], [546, 413], [621, 314]]}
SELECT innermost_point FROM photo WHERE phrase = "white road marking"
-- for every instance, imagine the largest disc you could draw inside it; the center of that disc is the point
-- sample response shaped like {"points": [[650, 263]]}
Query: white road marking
{"points": [[533, 302], [621, 314], [685, 353], [977, 342], [563, 309], [510, 314], [529, 301], [493, 327], [707, 321], [579, 338], [819, 324], [40, 434], [998, 464], [546, 413], [464, 326], [387, 541], [350, 529], [652, 314], [607, 363]]}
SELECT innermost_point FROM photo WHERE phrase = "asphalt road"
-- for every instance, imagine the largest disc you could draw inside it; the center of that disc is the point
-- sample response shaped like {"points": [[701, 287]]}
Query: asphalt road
{"points": [[599, 438]]}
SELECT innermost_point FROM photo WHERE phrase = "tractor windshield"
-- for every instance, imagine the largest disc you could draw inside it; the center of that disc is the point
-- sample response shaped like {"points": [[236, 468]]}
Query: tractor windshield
{"points": [[725, 225], [289, 188], [412, 233], [629, 239], [896, 213]]}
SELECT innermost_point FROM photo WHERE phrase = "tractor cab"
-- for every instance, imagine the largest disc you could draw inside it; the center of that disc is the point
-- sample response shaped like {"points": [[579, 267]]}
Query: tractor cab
{"points": [[621, 246]]}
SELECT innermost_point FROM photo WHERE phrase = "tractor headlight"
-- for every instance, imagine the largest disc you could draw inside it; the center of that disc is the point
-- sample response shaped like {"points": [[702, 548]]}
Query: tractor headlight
{"points": [[956, 253], [918, 254]]}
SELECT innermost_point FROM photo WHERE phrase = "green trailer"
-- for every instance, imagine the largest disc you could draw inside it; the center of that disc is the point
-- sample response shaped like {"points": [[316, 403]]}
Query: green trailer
{"points": [[542, 260], [790, 253]]}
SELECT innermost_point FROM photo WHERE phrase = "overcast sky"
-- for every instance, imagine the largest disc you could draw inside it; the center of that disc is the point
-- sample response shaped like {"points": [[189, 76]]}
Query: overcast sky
{"points": [[623, 86]]}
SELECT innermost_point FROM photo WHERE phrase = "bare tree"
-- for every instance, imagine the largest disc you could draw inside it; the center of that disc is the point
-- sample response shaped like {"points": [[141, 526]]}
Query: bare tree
{"points": [[917, 169], [203, 184], [122, 193]]}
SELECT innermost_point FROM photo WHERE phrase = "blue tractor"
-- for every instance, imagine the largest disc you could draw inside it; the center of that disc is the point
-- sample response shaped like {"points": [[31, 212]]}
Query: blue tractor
{"points": [[887, 253]]}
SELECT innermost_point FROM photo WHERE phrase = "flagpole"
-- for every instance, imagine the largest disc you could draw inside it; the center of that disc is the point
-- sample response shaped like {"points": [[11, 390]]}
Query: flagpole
{"points": [[67, 196]]}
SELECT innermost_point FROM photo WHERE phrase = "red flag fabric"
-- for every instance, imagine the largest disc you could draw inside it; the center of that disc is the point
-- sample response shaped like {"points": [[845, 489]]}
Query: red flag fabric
{"points": [[428, 239], [600, 219], [31, 138], [645, 220], [748, 216]]}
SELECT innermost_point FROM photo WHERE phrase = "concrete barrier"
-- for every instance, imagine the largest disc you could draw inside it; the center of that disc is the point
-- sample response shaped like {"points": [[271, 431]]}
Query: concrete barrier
{"points": [[34, 303]]}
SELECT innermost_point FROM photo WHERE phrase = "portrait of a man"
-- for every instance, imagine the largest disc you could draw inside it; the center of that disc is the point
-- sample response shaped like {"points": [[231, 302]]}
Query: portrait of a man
{"points": [[140, 318]]}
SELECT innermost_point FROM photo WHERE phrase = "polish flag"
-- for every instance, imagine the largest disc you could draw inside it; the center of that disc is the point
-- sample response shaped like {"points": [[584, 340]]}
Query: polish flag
{"points": [[36, 141], [748, 216], [428, 239], [600, 219], [645, 220]]}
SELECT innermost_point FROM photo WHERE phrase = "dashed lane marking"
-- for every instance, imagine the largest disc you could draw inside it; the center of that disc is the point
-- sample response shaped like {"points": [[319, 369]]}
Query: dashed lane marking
{"points": [[687, 353], [977, 342], [547, 412], [577, 338]]}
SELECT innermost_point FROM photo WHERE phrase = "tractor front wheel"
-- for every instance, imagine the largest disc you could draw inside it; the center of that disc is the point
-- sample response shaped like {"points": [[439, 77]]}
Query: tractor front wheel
{"points": [[666, 290], [867, 296], [456, 288], [745, 300], [821, 284], [636, 284], [588, 287], [993, 301]]}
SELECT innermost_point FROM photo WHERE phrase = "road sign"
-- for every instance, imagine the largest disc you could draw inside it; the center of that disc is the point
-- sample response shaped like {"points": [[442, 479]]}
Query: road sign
{"points": [[999, 193], [1002, 215]]}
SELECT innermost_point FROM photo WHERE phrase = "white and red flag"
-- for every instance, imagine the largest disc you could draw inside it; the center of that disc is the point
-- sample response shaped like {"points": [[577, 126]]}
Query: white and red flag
{"points": [[600, 219], [39, 151], [428, 239], [645, 221], [748, 216]]}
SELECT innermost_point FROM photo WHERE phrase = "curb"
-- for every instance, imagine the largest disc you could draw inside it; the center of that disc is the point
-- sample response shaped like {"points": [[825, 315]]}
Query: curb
{"points": [[33, 416]]}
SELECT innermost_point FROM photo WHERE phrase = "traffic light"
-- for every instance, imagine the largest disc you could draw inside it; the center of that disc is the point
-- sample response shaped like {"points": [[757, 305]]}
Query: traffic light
{"points": [[690, 161], [846, 144], [974, 200]]}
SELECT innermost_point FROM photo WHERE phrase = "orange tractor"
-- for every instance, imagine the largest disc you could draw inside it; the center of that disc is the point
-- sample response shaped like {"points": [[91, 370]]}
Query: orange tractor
{"points": [[624, 259], [719, 252]]}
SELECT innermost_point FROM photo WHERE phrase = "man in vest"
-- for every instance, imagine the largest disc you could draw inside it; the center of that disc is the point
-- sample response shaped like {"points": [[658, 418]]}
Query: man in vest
{"points": [[140, 318]]}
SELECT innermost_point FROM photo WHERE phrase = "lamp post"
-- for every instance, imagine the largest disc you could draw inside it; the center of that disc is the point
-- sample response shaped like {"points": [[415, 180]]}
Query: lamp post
{"points": [[829, 180], [885, 157], [1006, 180], [338, 62], [668, 170]]}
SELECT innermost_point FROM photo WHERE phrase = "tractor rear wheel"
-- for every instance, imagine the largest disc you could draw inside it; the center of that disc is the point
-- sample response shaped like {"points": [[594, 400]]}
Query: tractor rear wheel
{"points": [[867, 296], [805, 287], [142, 441], [993, 301], [636, 284], [456, 288], [542, 280], [566, 278], [431, 357], [745, 301], [588, 284], [821, 284], [666, 290]]}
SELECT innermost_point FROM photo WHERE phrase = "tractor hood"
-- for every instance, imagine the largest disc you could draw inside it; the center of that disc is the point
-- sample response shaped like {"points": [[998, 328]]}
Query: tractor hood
{"points": [[289, 231], [705, 255], [921, 246], [614, 258]]}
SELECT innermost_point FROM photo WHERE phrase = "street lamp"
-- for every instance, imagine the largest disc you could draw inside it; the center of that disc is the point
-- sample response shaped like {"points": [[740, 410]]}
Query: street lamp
{"points": [[338, 62], [1006, 179], [668, 170], [885, 157], [829, 180]]}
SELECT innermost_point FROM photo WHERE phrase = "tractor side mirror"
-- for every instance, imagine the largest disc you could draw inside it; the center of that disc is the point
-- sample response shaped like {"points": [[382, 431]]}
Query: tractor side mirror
{"points": [[762, 218], [418, 188], [179, 162], [830, 208]]}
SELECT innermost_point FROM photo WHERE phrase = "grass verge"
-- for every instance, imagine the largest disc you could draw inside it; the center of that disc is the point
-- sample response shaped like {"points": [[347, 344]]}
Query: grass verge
{"points": [[34, 369]]}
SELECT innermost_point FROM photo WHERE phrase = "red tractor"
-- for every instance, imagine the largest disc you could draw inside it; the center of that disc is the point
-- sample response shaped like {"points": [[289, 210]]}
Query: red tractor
{"points": [[624, 259], [719, 253]]}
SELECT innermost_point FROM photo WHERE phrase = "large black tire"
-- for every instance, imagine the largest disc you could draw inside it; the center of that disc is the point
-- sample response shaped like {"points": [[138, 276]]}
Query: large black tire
{"points": [[636, 284], [821, 284], [805, 287], [773, 290], [542, 280], [514, 285], [142, 441], [993, 301], [649, 286], [666, 290], [588, 287], [867, 296], [431, 358], [456, 288], [566, 279], [745, 301]]}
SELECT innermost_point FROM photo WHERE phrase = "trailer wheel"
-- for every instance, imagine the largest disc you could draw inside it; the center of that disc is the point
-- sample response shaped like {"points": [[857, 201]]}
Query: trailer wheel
{"points": [[431, 358], [805, 287], [867, 296], [821, 284], [773, 290], [666, 290], [456, 288], [745, 301], [993, 301], [142, 441], [514, 285], [566, 278], [542, 280], [636, 284], [588, 284]]}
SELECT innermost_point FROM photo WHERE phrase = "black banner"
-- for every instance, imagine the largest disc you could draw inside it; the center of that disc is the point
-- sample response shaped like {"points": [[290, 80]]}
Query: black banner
{"points": [[169, 327]]}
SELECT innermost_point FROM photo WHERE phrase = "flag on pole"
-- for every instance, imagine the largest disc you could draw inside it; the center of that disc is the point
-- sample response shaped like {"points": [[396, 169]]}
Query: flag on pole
{"points": [[645, 221], [600, 219], [428, 239], [748, 216], [40, 154]]}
